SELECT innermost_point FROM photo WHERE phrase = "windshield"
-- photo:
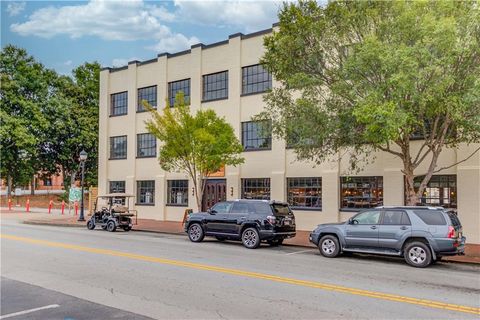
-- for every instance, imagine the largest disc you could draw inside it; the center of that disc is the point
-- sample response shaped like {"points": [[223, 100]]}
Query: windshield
{"points": [[281, 209]]}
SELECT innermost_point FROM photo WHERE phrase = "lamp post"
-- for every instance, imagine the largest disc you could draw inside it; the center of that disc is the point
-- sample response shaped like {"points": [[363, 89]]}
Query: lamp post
{"points": [[83, 158]]}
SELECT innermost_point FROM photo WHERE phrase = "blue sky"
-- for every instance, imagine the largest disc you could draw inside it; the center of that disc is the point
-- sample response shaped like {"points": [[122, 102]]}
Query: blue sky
{"points": [[64, 34]]}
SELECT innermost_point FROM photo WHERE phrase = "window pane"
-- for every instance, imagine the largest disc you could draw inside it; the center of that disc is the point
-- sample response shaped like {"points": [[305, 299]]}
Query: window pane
{"points": [[431, 217], [392, 217], [215, 86], [256, 135], [255, 79], [256, 189], [177, 86], [145, 192], [118, 103], [177, 192], [361, 192], [304, 192], [146, 145], [149, 94], [118, 147], [369, 217], [441, 190]]}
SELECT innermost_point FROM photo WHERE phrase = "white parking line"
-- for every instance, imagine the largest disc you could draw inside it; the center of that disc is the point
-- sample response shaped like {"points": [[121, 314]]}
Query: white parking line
{"points": [[28, 311], [287, 254]]}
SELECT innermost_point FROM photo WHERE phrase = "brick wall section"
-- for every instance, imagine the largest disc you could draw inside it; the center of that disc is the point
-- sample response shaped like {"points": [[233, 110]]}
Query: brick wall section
{"points": [[37, 201]]}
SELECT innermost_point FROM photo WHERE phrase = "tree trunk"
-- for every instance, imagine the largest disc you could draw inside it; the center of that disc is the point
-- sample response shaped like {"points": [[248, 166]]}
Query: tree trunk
{"points": [[9, 185], [410, 194], [32, 186]]}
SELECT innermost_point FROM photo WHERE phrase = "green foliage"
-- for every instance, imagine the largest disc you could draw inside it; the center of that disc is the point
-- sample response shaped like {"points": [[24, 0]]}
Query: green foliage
{"points": [[46, 119], [362, 76], [198, 144]]}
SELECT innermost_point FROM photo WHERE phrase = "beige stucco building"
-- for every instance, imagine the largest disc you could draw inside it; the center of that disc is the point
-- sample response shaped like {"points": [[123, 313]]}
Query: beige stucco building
{"points": [[225, 77]]}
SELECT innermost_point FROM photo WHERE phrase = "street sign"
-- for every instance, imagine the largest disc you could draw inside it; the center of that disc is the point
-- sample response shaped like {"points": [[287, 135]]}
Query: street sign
{"points": [[75, 194]]}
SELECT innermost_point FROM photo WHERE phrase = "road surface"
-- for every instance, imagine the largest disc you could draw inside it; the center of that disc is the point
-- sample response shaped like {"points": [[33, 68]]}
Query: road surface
{"points": [[140, 275]]}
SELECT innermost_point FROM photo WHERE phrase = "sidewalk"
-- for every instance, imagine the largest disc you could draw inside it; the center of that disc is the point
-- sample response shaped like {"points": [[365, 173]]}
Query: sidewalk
{"points": [[41, 217]]}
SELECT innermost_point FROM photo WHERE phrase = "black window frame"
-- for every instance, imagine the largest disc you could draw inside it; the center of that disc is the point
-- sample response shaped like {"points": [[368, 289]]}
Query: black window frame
{"points": [[112, 139], [149, 187], [142, 138], [115, 98], [250, 76], [305, 183], [376, 190], [255, 186], [117, 189], [440, 181], [149, 94], [182, 188], [218, 84], [179, 86], [249, 130]]}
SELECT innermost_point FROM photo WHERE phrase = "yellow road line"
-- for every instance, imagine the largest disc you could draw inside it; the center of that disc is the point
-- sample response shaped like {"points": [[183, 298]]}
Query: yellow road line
{"points": [[236, 272]]}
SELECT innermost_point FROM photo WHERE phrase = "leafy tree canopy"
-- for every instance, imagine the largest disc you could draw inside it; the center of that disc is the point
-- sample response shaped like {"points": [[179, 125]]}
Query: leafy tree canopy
{"points": [[363, 76]]}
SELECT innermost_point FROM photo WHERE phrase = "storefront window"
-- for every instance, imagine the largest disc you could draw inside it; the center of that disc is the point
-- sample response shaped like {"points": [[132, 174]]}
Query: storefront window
{"points": [[305, 193], [256, 189], [361, 192], [441, 190]]}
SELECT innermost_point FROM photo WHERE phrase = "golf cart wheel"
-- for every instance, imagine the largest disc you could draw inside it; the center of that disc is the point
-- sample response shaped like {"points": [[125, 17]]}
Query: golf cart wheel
{"points": [[90, 225], [127, 228], [104, 227], [111, 227]]}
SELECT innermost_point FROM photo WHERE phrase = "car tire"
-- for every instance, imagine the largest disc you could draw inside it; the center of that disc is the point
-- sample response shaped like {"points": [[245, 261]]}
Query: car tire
{"points": [[111, 227], [417, 254], [90, 225], [250, 238], [195, 232], [329, 246], [220, 238]]}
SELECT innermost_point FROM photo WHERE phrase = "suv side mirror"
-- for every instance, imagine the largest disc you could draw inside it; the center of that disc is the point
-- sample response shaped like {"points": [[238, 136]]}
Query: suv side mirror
{"points": [[210, 211], [352, 221]]}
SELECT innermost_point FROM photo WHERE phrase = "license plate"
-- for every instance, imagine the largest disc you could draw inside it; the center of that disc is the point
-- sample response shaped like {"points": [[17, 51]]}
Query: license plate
{"points": [[287, 222]]}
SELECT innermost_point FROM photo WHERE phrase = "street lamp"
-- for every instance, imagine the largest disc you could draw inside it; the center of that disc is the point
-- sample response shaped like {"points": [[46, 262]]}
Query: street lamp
{"points": [[83, 158]]}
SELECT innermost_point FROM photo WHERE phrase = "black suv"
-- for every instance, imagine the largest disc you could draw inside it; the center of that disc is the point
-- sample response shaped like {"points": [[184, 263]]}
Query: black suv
{"points": [[250, 221]]}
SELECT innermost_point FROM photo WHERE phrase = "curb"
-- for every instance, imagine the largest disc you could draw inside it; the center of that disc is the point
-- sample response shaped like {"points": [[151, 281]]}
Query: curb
{"points": [[54, 224]]}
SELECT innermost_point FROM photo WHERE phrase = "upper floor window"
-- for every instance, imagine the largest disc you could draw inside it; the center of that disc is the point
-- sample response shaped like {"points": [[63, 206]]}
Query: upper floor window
{"points": [[117, 187], [361, 192], [118, 103], [257, 135], [176, 86], [148, 94], [146, 145], [441, 190], [255, 79], [215, 86], [118, 147], [256, 188], [305, 192]]}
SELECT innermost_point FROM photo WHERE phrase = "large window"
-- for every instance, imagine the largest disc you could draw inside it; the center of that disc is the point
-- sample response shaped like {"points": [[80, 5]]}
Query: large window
{"points": [[148, 94], [117, 187], [256, 188], [177, 193], [255, 79], [361, 192], [118, 103], [118, 147], [176, 86], [441, 190], [257, 135], [146, 192], [305, 193], [146, 145], [215, 86]]}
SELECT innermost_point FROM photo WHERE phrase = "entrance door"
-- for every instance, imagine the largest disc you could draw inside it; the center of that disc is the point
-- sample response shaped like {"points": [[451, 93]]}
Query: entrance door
{"points": [[215, 191]]}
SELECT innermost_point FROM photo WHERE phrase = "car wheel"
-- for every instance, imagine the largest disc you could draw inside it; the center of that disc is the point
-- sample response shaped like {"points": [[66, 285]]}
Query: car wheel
{"points": [[250, 238], [220, 238], [90, 225], [329, 246], [111, 227], [195, 232], [417, 254]]}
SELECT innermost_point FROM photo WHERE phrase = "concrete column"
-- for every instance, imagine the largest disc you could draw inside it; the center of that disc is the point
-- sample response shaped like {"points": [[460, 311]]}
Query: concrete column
{"points": [[104, 103], [277, 186], [393, 187]]}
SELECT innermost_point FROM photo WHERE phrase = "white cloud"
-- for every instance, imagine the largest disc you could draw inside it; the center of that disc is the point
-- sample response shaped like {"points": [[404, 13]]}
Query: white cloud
{"points": [[14, 8], [109, 20], [246, 15], [68, 63], [120, 62]]}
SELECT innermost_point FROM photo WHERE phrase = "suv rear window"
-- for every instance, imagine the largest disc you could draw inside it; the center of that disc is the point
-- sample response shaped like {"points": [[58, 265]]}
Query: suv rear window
{"points": [[280, 209], [453, 217], [431, 217]]}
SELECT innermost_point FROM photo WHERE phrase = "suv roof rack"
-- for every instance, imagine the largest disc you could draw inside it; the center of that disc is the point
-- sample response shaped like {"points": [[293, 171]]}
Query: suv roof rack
{"points": [[411, 207]]}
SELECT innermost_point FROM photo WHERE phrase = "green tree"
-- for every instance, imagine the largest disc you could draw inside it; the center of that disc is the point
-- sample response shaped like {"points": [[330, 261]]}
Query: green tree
{"points": [[362, 76], [197, 144]]}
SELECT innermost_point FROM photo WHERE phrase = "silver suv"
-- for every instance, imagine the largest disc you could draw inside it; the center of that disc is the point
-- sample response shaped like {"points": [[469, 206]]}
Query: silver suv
{"points": [[422, 235]]}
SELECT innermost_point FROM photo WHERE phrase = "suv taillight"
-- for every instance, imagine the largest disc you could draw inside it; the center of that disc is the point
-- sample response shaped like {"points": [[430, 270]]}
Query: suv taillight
{"points": [[272, 220], [451, 232]]}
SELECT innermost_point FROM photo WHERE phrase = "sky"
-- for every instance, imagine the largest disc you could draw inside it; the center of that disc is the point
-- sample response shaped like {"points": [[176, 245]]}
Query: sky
{"points": [[65, 34]]}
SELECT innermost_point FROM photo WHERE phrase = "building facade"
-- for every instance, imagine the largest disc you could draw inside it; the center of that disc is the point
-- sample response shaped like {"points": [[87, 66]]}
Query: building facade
{"points": [[228, 78]]}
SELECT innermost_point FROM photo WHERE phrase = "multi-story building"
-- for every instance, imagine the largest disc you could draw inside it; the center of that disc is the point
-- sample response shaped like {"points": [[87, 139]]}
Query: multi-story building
{"points": [[227, 77]]}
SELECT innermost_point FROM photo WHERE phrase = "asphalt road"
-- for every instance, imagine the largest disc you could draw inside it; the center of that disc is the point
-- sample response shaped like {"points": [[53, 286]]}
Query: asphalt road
{"points": [[168, 277]]}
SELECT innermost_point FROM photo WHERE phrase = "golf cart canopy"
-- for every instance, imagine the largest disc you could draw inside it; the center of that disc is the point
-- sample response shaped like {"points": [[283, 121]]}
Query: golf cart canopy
{"points": [[117, 195]]}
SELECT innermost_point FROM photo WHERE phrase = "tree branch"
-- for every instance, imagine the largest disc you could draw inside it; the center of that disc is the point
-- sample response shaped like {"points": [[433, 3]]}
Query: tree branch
{"points": [[457, 163]]}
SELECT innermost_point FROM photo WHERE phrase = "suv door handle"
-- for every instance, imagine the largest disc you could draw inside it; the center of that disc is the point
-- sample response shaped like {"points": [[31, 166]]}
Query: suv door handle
{"points": [[403, 228], [373, 227]]}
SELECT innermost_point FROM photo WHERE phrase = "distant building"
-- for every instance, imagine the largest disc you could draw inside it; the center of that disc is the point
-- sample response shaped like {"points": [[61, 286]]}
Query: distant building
{"points": [[227, 77]]}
